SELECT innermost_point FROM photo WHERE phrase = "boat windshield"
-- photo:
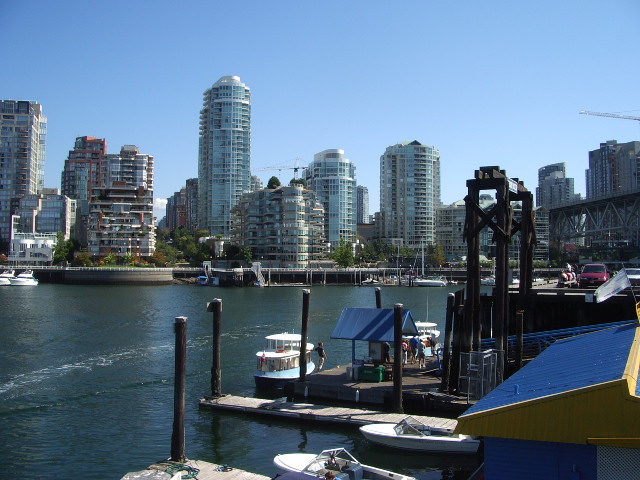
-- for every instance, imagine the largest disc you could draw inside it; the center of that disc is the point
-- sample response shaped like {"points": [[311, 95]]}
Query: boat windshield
{"points": [[411, 426], [337, 460]]}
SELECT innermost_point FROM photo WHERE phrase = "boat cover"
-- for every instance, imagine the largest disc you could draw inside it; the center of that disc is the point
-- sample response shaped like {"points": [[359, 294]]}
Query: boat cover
{"points": [[371, 324], [293, 476]]}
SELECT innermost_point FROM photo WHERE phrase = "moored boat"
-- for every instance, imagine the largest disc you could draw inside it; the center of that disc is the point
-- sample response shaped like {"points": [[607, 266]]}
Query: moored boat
{"points": [[25, 278], [279, 362], [488, 281], [411, 434], [6, 276], [433, 281], [337, 461], [428, 329]]}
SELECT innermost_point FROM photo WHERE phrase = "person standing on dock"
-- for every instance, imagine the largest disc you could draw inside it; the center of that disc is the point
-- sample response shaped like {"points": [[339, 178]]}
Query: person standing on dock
{"points": [[413, 343], [405, 351], [421, 360], [322, 355]]}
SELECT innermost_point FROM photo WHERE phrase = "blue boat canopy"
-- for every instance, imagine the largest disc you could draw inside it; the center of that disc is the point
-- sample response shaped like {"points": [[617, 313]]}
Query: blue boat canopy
{"points": [[371, 324]]}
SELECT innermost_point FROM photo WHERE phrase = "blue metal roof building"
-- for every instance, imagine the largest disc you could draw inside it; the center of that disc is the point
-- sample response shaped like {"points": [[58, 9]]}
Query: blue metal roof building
{"points": [[371, 325], [573, 412]]}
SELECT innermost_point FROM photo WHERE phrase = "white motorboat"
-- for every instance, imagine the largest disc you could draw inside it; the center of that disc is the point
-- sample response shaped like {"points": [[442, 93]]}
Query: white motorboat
{"points": [[488, 281], [25, 278], [410, 434], [337, 461], [428, 329], [279, 362], [6, 276], [434, 281]]}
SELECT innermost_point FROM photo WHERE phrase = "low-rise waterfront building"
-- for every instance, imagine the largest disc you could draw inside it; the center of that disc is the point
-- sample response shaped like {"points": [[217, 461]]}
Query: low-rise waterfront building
{"points": [[283, 227], [30, 247], [570, 413]]}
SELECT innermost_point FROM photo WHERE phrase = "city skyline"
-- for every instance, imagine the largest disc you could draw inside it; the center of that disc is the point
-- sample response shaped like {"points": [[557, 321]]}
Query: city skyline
{"points": [[497, 84]]}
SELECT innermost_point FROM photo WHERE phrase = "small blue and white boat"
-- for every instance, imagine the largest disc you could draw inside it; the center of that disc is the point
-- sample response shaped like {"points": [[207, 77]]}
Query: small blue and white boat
{"points": [[279, 362]]}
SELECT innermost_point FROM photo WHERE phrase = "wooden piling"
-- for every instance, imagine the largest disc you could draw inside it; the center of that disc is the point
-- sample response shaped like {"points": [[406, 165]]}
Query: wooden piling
{"points": [[448, 332], [216, 378], [306, 293], [378, 298], [178, 435], [398, 312]]}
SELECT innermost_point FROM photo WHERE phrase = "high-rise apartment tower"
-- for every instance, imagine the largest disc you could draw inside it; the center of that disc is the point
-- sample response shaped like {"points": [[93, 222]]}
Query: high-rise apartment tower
{"points": [[23, 133], [409, 194], [224, 155], [554, 187], [613, 169], [362, 211], [333, 178]]}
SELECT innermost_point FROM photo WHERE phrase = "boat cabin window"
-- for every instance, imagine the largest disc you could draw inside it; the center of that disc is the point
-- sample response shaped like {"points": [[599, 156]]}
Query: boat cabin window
{"points": [[276, 364]]}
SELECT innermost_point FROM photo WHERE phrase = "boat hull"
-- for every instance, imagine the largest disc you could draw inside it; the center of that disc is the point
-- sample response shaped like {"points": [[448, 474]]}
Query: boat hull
{"points": [[272, 380], [385, 435], [310, 464]]}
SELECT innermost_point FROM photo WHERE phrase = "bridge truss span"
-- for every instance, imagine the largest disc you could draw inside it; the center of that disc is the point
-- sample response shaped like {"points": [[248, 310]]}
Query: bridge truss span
{"points": [[608, 222]]}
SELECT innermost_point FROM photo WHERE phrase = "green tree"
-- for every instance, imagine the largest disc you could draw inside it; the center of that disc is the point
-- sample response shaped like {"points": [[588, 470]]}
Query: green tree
{"points": [[110, 259], [82, 259], [438, 257], [64, 249], [343, 254], [165, 254], [126, 259], [298, 181], [248, 255], [274, 182], [60, 251], [159, 259]]}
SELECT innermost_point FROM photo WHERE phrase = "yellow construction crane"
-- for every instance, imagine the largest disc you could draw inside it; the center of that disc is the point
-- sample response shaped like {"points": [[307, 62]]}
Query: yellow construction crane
{"points": [[612, 115], [294, 167]]}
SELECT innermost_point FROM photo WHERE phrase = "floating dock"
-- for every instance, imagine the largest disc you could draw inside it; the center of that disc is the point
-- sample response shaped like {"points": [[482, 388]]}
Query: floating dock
{"points": [[310, 412], [333, 396], [195, 469]]}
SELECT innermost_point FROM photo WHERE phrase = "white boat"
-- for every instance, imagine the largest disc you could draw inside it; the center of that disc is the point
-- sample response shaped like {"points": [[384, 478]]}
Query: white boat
{"points": [[427, 329], [434, 281], [410, 434], [488, 281], [6, 276], [337, 461], [279, 362], [25, 278]]}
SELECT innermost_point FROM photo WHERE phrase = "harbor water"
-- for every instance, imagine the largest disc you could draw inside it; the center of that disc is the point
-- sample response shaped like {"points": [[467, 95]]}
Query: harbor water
{"points": [[86, 377]]}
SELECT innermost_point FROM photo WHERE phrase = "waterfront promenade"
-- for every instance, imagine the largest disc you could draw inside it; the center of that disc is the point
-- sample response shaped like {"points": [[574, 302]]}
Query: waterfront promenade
{"points": [[235, 276]]}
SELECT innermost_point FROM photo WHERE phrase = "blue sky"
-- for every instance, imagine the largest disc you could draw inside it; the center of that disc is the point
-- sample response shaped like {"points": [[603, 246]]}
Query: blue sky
{"points": [[487, 83]]}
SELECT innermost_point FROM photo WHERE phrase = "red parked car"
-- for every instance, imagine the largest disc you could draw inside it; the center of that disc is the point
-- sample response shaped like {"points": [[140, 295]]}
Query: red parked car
{"points": [[593, 275]]}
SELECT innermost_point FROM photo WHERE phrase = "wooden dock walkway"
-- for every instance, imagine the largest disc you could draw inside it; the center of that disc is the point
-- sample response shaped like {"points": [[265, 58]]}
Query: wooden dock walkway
{"points": [[309, 412], [206, 471]]}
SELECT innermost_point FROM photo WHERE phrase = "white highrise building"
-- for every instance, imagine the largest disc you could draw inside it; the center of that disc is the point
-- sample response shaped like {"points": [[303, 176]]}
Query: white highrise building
{"points": [[409, 194], [224, 156], [333, 178]]}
